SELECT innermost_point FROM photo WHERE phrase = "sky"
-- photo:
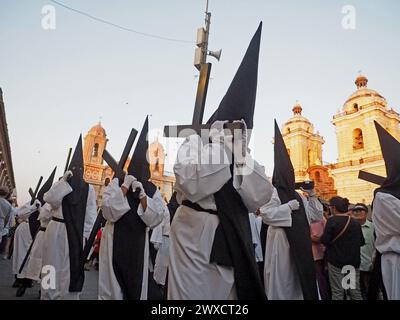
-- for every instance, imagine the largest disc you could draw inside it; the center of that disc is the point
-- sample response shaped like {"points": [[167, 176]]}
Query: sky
{"points": [[58, 83]]}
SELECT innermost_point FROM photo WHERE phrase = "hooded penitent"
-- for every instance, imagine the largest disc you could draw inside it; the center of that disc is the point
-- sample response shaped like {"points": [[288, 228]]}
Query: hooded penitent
{"points": [[34, 223], [298, 234], [233, 243], [130, 230], [391, 154], [74, 210]]}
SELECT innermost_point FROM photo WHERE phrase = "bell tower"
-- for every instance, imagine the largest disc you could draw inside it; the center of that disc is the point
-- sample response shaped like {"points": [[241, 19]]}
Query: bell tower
{"points": [[94, 145], [357, 141], [304, 146]]}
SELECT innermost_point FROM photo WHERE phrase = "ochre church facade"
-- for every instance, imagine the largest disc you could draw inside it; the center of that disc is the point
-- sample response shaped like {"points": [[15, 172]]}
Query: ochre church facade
{"points": [[357, 144]]}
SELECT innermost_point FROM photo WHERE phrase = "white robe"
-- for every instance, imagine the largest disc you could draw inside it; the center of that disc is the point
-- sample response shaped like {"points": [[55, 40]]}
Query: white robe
{"points": [[386, 219], [255, 225], [191, 275], [22, 239], [114, 206], [160, 240], [56, 250], [280, 276], [34, 262]]}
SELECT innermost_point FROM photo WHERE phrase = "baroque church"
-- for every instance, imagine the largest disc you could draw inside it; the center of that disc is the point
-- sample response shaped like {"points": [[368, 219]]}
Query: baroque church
{"points": [[99, 174], [357, 142]]}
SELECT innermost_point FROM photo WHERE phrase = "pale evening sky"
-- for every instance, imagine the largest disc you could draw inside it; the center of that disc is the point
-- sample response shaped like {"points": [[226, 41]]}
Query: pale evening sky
{"points": [[58, 83]]}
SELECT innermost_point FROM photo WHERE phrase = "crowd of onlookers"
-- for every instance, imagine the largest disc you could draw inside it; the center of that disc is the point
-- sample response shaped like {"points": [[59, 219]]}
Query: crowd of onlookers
{"points": [[342, 245], [344, 252], [8, 224]]}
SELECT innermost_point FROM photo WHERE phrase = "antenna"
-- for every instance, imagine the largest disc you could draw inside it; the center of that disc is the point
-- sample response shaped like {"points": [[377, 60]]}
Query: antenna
{"points": [[202, 51]]}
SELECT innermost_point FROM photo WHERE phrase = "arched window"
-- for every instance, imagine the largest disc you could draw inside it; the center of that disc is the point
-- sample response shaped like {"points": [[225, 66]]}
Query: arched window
{"points": [[288, 130], [95, 150], [358, 140], [355, 107], [317, 176], [309, 158]]}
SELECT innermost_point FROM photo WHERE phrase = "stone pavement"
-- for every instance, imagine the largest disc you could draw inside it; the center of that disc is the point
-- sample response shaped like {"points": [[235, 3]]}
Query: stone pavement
{"points": [[7, 293]]}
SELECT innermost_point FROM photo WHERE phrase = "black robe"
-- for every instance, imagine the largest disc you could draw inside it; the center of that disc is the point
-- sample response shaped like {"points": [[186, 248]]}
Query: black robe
{"points": [[128, 247], [74, 211]]}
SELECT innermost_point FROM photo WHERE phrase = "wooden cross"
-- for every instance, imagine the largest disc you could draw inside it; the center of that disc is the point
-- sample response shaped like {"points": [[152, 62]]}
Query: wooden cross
{"points": [[68, 159], [370, 177], [181, 131], [34, 194], [118, 167]]}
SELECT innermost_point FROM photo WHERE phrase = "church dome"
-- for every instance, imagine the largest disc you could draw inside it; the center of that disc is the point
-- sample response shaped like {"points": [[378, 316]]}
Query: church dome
{"points": [[363, 97], [297, 121], [98, 130]]}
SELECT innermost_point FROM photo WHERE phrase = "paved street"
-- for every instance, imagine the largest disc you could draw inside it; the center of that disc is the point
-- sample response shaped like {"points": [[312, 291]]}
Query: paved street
{"points": [[8, 293]]}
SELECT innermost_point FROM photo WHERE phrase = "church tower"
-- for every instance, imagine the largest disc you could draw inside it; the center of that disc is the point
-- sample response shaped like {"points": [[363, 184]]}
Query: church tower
{"points": [[305, 151], [94, 145], [95, 142], [157, 159], [304, 146], [357, 141]]}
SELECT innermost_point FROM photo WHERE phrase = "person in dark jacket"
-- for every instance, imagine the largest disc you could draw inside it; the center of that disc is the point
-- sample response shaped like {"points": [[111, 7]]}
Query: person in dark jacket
{"points": [[343, 239]]}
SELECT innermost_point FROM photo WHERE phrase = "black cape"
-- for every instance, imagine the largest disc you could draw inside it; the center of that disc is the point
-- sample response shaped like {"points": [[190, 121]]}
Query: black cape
{"points": [[298, 234], [130, 231], [74, 211], [233, 244]]}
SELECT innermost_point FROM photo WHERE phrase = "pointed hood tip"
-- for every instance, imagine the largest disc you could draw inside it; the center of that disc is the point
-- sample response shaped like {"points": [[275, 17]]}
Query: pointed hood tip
{"points": [[139, 166], [240, 98]]}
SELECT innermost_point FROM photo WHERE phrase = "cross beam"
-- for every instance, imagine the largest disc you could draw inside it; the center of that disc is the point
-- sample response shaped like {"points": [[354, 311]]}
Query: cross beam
{"points": [[68, 159], [118, 167], [32, 193], [370, 177]]}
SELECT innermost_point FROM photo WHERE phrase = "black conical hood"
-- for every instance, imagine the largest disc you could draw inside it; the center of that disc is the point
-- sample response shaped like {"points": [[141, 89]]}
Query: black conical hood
{"points": [[76, 165], [239, 101], [46, 186], [139, 166], [298, 234], [283, 177], [391, 154]]}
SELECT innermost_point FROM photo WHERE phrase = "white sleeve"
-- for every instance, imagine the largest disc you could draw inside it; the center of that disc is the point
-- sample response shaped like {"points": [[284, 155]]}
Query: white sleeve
{"points": [[45, 212], [25, 211], [91, 212], [200, 170], [386, 219], [313, 208], [154, 213], [162, 230], [276, 214], [57, 193], [115, 204], [252, 184], [253, 228]]}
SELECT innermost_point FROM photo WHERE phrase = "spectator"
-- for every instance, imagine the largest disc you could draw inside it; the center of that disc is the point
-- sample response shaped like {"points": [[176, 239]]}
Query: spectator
{"points": [[94, 257], [343, 238], [318, 249], [359, 213]]}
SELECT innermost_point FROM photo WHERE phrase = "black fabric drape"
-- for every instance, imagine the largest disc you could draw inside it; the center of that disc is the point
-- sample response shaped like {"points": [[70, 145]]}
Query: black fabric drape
{"points": [[128, 247], [235, 238], [74, 211]]}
